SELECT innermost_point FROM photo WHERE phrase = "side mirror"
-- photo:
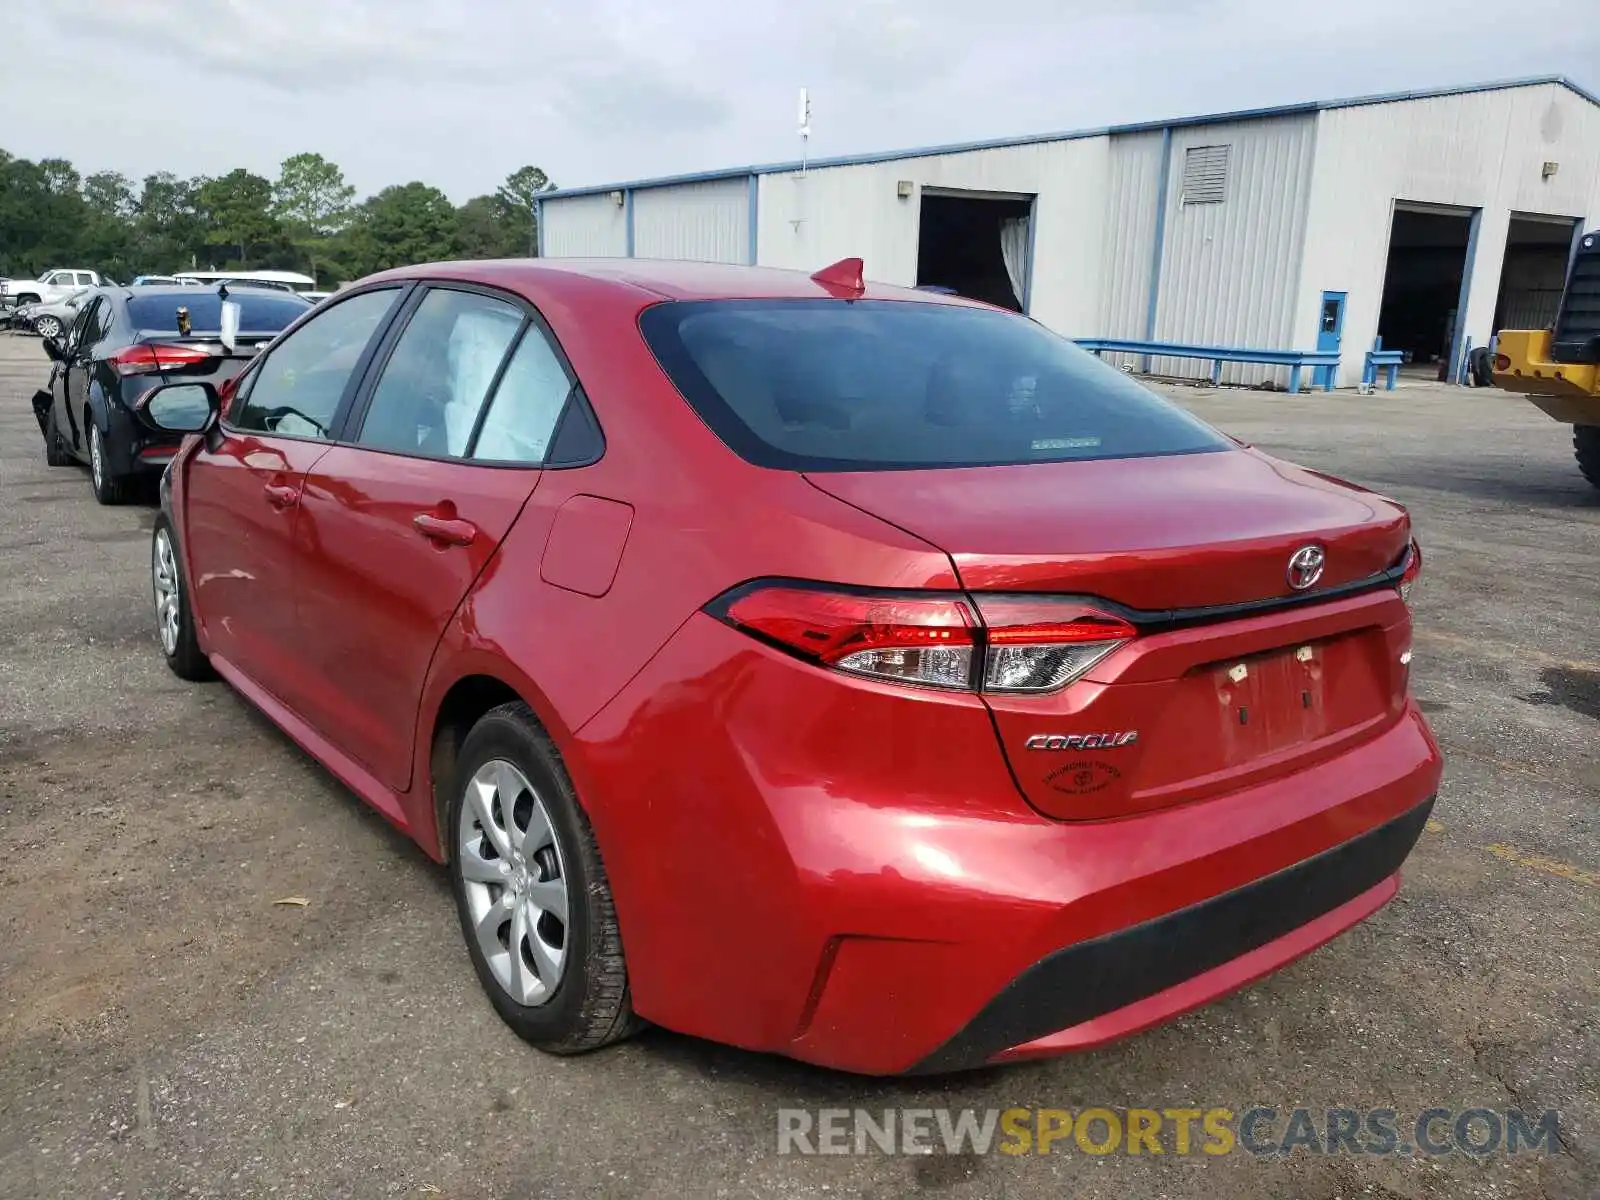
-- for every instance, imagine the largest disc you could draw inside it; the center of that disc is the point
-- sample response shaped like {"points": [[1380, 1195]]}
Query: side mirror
{"points": [[52, 349], [181, 407]]}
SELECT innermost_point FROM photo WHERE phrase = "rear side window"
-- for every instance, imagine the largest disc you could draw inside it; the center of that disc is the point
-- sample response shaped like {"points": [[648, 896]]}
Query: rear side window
{"points": [[820, 385], [260, 312]]}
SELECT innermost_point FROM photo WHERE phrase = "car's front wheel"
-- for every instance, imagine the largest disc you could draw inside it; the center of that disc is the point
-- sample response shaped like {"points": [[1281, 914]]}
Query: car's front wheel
{"points": [[174, 617], [531, 890], [47, 326], [56, 453]]}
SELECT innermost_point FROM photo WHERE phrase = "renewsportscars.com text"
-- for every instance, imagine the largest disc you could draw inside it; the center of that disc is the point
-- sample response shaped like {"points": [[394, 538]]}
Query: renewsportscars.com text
{"points": [[1263, 1131]]}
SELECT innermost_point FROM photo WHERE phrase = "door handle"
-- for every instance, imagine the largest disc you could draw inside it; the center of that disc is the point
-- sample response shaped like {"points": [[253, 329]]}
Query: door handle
{"points": [[444, 531], [281, 495]]}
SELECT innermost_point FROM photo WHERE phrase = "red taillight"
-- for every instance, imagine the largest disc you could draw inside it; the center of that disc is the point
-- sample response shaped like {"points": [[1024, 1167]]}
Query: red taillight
{"points": [[927, 640], [1412, 572], [996, 643], [145, 360]]}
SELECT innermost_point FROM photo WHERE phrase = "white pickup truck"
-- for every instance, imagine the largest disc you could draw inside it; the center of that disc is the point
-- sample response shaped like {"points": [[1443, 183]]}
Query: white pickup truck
{"points": [[48, 288]]}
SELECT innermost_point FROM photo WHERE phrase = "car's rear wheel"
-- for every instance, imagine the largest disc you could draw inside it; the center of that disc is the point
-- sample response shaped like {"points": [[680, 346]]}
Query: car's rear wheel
{"points": [[108, 488], [56, 453], [1586, 448], [174, 618], [531, 890], [47, 326]]}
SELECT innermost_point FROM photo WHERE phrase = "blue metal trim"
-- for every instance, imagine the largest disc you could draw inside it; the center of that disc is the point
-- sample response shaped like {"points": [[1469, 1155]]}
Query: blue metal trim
{"points": [[627, 221], [755, 205], [1458, 338], [1033, 233], [1159, 238], [1302, 108]]}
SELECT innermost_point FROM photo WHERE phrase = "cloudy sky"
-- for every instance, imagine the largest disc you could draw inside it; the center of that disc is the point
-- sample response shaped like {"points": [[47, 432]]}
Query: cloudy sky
{"points": [[458, 94]]}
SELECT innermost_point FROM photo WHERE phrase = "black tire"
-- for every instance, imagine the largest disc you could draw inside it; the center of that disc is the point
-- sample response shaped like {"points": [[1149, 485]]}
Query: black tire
{"points": [[590, 1005], [1586, 449], [185, 658], [108, 489], [56, 453], [48, 327]]}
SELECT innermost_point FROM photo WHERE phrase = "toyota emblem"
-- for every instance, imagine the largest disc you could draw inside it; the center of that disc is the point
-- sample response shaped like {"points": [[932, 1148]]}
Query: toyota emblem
{"points": [[1305, 566]]}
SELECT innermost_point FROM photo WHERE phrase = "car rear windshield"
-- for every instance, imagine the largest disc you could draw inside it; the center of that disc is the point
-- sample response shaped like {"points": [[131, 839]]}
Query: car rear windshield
{"points": [[820, 385], [260, 311]]}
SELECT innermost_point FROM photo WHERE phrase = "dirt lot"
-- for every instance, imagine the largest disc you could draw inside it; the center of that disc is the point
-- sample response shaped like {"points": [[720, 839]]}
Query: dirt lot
{"points": [[167, 1030]]}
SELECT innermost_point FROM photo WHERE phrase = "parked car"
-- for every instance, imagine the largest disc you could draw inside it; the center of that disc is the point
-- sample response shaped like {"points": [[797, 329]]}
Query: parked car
{"points": [[53, 319], [165, 281], [49, 287], [762, 666], [124, 342]]}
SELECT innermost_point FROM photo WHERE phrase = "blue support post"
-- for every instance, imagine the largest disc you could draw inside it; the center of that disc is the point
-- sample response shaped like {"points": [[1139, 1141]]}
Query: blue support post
{"points": [[1393, 372], [751, 213], [1294, 380], [1465, 294], [627, 221], [1159, 242], [1216, 373]]}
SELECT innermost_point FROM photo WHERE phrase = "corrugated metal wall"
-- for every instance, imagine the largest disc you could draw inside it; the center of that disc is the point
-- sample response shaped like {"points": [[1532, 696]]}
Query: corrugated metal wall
{"points": [[1229, 270], [583, 227], [706, 222], [1133, 177], [1478, 150], [809, 221]]}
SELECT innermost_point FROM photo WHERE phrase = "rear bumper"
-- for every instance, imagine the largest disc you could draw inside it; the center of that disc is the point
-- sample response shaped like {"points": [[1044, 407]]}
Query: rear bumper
{"points": [[132, 448], [1096, 991], [844, 872]]}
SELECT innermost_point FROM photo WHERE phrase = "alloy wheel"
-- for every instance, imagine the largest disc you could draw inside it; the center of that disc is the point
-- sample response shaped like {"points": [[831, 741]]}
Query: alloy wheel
{"points": [[47, 327], [164, 576], [97, 463], [515, 882]]}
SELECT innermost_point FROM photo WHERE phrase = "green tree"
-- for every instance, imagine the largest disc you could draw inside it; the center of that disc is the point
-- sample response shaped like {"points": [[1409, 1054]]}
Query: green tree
{"points": [[110, 195], [236, 212], [312, 200], [486, 229], [404, 224], [519, 193], [167, 233]]}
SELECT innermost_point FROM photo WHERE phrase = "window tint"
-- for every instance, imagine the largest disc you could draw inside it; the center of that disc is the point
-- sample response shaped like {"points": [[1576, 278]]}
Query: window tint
{"points": [[849, 386], [434, 383], [297, 389], [527, 404], [85, 279], [259, 313], [75, 336]]}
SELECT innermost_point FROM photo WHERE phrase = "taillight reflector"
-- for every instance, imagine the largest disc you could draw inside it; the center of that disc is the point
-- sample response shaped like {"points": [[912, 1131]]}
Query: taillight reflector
{"points": [[148, 359], [992, 643]]}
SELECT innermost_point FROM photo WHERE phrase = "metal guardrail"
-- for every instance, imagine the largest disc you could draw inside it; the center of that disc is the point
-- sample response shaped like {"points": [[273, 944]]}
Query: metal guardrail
{"points": [[1295, 360], [1388, 361]]}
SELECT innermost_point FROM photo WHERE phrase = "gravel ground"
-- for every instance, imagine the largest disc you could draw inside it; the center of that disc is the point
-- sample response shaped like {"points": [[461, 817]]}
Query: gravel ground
{"points": [[167, 1030]]}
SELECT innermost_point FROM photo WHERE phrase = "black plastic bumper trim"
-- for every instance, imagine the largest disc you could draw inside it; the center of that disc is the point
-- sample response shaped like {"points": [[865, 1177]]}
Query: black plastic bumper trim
{"points": [[1099, 976]]}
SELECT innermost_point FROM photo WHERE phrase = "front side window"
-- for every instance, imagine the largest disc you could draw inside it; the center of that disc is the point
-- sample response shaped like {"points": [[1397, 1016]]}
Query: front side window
{"points": [[298, 387], [836, 385], [433, 386]]}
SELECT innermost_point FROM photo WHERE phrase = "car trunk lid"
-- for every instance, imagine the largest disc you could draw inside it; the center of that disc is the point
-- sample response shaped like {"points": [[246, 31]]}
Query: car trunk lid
{"points": [[1235, 676]]}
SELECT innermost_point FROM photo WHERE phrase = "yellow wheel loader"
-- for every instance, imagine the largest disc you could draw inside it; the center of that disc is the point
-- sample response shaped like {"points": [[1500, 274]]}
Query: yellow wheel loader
{"points": [[1559, 368]]}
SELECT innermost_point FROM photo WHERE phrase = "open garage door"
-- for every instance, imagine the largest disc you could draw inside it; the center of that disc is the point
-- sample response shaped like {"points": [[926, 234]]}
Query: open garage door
{"points": [[1422, 282], [1535, 271], [977, 244]]}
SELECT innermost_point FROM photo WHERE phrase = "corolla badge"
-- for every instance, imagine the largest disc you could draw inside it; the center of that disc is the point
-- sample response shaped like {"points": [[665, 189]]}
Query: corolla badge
{"points": [[1305, 566], [1081, 741]]}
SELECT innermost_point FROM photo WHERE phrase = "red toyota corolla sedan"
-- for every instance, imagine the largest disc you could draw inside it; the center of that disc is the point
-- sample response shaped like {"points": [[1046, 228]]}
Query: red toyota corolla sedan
{"points": [[848, 672]]}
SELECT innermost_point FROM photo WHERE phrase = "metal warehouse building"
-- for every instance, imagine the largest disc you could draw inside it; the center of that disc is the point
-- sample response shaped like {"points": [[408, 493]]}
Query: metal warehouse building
{"points": [[1323, 225]]}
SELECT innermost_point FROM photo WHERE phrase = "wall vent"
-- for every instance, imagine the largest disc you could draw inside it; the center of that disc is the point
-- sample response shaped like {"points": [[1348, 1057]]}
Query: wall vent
{"points": [[1205, 174]]}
